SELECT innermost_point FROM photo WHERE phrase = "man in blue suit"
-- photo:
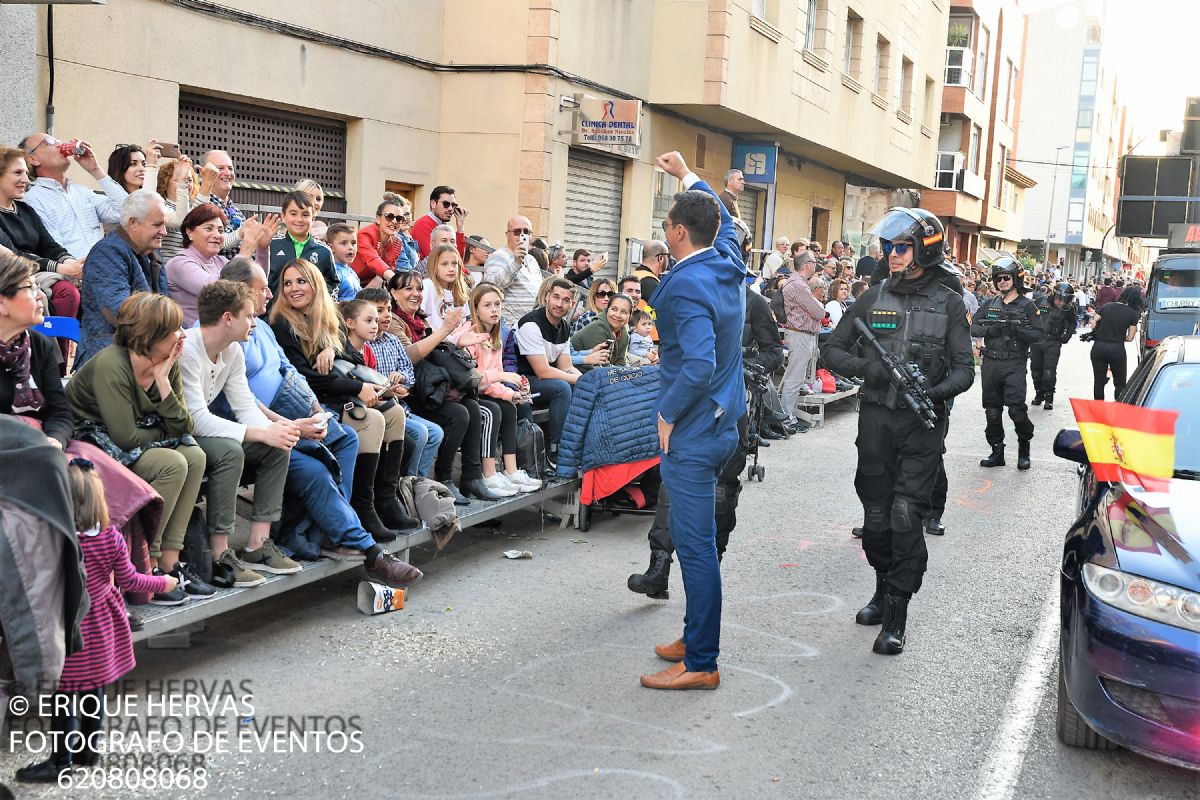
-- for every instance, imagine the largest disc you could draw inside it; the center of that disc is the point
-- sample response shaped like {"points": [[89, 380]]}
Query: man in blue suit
{"points": [[700, 308]]}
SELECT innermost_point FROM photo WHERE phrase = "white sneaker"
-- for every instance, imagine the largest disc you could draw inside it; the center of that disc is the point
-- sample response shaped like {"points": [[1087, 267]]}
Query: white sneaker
{"points": [[520, 479], [498, 484]]}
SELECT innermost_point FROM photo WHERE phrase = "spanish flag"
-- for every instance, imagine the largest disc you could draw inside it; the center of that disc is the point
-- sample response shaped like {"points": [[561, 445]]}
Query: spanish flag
{"points": [[1128, 444]]}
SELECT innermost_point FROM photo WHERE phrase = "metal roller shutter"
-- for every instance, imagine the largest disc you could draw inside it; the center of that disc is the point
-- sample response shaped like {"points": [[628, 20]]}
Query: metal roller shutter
{"points": [[748, 209], [595, 188], [271, 149]]}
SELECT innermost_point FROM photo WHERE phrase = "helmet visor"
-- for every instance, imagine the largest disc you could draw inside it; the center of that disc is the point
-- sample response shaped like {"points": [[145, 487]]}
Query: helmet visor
{"points": [[900, 224]]}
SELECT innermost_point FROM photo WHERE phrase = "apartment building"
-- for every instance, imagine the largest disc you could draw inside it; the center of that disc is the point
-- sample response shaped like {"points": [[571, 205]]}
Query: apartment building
{"points": [[1073, 131], [551, 108], [978, 189]]}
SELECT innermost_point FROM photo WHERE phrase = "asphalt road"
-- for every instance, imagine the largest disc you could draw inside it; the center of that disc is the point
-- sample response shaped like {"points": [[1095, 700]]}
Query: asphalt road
{"points": [[519, 679]]}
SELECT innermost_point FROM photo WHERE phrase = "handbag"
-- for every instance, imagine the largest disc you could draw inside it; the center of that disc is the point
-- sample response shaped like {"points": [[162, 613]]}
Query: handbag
{"points": [[363, 374], [459, 365]]}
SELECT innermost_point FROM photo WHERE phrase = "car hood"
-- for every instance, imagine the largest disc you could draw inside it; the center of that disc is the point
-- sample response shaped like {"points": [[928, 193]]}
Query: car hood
{"points": [[1157, 534]]}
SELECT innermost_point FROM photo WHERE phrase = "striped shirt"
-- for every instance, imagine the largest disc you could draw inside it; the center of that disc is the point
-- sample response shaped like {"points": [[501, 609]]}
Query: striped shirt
{"points": [[107, 652], [75, 215], [520, 282]]}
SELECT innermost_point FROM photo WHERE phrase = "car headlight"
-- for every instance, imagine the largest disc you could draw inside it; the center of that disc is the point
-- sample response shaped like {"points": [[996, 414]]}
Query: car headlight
{"points": [[1147, 598]]}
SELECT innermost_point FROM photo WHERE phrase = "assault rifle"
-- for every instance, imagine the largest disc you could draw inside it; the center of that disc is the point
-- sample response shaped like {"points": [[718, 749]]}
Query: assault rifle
{"points": [[907, 379]]}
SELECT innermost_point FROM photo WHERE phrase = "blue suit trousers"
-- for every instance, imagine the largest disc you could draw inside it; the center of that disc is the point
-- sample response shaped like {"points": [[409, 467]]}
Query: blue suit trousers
{"points": [[690, 471]]}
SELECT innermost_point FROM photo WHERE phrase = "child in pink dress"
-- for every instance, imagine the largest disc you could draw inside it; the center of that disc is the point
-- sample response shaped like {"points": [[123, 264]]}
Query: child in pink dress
{"points": [[107, 652]]}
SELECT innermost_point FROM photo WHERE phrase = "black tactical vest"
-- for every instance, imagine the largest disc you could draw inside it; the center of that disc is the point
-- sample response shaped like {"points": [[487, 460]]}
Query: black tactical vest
{"points": [[912, 327], [1054, 320], [1002, 343]]}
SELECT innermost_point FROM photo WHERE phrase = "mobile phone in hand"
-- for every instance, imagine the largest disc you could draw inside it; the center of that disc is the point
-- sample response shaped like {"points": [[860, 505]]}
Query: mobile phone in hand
{"points": [[169, 150]]}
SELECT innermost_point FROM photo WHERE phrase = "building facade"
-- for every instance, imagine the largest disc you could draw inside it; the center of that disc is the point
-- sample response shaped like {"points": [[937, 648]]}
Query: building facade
{"points": [[977, 187], [1073, 132], [486, 96]]}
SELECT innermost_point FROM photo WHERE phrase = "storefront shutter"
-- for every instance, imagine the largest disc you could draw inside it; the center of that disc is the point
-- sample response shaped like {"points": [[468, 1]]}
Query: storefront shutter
{"points": [[595, 187]]}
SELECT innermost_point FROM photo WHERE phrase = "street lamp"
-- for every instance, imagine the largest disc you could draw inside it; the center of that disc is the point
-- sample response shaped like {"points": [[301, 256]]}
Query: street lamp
{"points": [[1050, 215]]}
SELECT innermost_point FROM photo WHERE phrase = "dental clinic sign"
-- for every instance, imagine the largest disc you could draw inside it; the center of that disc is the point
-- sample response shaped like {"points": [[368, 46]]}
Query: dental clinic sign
{"points": [[608, 122]]}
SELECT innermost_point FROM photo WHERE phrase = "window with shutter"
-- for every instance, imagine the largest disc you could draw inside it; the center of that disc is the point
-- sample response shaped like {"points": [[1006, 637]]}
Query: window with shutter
{"points": [[271, 149]]}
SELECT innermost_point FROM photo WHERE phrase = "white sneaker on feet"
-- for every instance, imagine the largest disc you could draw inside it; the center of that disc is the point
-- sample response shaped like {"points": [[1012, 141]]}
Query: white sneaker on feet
{"points": [[520, 479], [498, 484]]}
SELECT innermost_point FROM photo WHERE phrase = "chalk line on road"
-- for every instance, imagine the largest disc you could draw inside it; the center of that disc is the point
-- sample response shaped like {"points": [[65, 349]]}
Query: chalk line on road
{"points": [[999, 775]]}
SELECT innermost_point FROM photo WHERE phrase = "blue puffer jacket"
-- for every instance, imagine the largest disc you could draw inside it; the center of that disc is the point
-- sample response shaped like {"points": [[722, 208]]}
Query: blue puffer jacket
{"points": [[611, 420]]}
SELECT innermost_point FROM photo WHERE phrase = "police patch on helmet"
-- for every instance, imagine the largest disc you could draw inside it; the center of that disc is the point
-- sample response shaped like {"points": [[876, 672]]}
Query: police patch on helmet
{"points": [[884, 320], [928, 240]]}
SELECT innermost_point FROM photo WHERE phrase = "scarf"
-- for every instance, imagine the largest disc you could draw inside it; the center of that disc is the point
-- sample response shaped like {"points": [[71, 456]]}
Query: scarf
{"points": [[417, 329], [15, 358]]}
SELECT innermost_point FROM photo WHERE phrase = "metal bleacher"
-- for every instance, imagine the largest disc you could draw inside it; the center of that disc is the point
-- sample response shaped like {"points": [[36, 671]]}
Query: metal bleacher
{"points": [[170, 626]]}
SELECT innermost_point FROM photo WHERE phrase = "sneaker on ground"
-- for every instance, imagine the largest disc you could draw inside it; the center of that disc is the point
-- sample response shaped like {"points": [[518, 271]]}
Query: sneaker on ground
{"points": [[339, 553], [190, 582], [234, 572], [175, 597], [268, 559], [520, 478], [498, 484]]}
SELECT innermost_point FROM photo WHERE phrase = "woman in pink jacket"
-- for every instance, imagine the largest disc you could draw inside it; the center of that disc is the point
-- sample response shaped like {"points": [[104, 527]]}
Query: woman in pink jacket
{"points": [[499, 392]]}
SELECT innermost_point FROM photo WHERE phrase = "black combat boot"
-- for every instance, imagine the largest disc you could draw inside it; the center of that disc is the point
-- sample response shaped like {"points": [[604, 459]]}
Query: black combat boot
{"points": [[872, 612], [654, 582], [934, 526], [890, 641], [1038, 397], [996, 459], [1049, 402], [1023, 455]]}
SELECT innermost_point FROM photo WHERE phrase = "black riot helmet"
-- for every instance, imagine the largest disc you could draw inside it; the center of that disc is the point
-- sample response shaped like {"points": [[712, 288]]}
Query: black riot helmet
{"points": [[1006, 265], [919, 226], [1064, 291]]}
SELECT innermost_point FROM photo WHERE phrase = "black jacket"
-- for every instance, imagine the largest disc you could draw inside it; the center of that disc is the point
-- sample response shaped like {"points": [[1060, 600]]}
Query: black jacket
{"points": [[760, 335], [843, 355], [330, 389], [57, 420]]}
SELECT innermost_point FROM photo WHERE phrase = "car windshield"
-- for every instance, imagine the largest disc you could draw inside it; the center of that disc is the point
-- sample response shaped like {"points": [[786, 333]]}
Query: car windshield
{"points": [[1177, 289], [1177, 388]]}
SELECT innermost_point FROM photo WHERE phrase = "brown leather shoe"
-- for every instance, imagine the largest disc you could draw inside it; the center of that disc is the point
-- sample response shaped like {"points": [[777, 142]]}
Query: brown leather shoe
{"points": [[670, 652], [392, 571], [677, 677]]}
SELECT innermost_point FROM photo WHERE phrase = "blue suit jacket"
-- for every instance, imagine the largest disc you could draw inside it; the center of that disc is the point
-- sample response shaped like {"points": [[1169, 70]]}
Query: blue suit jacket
{"points": [[700, 308]]}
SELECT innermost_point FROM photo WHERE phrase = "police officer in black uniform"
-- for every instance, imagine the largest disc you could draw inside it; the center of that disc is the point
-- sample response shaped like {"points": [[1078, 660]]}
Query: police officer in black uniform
{"points": [[1056, 317], [917, 319], [1008, 325]]}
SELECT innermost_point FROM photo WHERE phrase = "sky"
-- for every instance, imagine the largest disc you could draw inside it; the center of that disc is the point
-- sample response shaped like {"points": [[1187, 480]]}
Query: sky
{"points": [[1155, 48]]}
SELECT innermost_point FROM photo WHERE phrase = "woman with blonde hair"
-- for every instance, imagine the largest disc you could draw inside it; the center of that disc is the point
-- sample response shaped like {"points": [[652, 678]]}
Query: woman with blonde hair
{"points": [[499, 393], [308, 326], [598, 297], [314, 191], [446, 287]]}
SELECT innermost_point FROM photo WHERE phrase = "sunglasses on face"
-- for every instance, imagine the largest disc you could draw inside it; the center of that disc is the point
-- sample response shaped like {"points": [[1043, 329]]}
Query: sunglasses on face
{"points": [[1003, 278], [521, 232], [900, 248], [603, 293], [448, 204], [396, 217]]}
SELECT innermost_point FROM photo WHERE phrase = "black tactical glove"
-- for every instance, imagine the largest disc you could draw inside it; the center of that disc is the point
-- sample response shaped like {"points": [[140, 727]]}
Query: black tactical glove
{"points": [[876, 374]]}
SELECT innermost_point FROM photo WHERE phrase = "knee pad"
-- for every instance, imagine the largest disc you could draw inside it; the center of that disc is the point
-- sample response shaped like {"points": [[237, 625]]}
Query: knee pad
{"points": [[1018, 413], [903, 517], [993, 414], [875, 517]]}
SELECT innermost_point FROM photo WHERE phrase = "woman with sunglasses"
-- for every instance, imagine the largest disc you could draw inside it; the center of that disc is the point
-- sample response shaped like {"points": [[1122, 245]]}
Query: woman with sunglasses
{"points": [[380, 244], [599, 296]]}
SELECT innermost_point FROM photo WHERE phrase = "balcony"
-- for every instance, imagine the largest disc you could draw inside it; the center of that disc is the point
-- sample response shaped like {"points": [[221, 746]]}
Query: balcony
{"points": [[959, 61]]}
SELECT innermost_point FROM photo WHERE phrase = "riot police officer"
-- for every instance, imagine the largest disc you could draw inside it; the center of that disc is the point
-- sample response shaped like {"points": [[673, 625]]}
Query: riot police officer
{"points": [[916, 319], [1007, 323], [1056, 317]]}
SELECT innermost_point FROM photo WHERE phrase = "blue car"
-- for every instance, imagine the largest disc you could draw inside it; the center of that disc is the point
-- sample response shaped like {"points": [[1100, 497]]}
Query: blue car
{"points": [[1129, 667]]}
